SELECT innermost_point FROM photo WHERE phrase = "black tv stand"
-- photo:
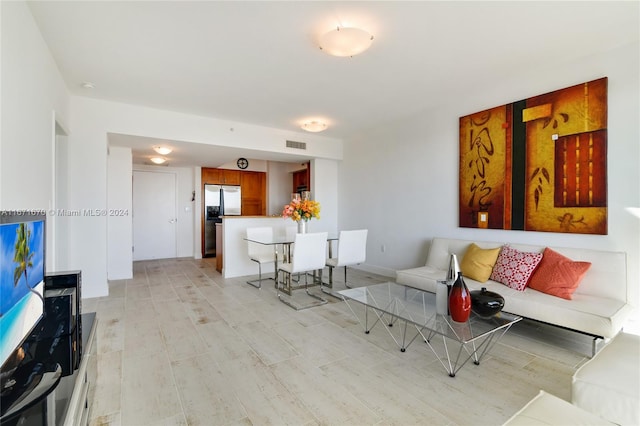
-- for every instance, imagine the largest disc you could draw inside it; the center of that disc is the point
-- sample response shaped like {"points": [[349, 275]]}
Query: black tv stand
{"points": [[58, 400], [31, 383]]}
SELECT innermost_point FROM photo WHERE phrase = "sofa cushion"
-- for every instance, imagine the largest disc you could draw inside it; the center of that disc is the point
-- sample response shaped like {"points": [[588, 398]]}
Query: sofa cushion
{"points": [[422, 278], [514, 267], [558, 275], [477, 262], [596, 315]]}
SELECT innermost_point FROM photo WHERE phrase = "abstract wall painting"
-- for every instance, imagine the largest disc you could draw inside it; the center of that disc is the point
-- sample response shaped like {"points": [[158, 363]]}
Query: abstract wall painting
{"points": [[539, 164]]}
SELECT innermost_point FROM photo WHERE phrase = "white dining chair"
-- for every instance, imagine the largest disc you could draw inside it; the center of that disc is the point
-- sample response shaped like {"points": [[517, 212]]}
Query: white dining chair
{"points": [[309, 255], [260, 253], [352, 250], [290, 234]]}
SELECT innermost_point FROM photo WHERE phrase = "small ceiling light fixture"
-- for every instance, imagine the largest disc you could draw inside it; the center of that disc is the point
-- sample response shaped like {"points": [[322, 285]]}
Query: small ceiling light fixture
{"points": [[88, 85], [345, 41], [162, 150], [314, 126], [158, 160]]}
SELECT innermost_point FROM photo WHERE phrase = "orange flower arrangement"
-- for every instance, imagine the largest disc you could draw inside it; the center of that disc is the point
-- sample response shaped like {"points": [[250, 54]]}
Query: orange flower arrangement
{"points": [[301, 210]]}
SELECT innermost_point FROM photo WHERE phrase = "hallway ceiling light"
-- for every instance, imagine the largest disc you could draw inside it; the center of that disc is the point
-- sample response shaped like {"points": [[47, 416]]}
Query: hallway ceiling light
{"points": [[345, 41], [314, 126], [162, 150], [158, 160]]}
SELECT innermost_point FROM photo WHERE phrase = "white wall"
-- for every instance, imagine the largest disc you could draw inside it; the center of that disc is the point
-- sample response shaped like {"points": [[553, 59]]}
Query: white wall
{"points": [[254, 165], [279, 185], [61, 222], [197, 218], [400, 180], [88, 190], [119, 200], [324, 189], [33, 95]]}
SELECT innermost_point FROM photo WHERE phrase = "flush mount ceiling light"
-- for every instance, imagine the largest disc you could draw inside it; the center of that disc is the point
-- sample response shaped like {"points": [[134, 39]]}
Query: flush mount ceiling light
{"points": [[88, 85], [314, 126], [158, 160], [345, 41], [162, 150]]}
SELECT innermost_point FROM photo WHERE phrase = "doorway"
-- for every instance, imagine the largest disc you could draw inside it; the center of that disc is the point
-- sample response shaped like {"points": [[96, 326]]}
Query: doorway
{"points": [[154, 215]]}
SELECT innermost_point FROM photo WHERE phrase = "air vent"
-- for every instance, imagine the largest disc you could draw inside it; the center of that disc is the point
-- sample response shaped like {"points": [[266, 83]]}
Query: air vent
{"points": [[296, 145]]}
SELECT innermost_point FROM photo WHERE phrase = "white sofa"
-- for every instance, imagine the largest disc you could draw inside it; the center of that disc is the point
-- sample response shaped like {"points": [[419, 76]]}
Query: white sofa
{"points": [[599, 306]]}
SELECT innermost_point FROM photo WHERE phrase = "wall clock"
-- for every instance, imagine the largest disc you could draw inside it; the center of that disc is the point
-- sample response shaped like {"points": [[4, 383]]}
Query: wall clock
{"points": [[243, 163]]}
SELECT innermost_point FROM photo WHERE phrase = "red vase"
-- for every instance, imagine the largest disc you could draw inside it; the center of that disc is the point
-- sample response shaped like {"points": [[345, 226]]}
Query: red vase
{"points": [[459, 300]]}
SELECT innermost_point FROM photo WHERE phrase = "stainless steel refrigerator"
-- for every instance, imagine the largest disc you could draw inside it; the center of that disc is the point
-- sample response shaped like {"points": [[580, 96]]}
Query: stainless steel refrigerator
{"points": [[219, 200]]}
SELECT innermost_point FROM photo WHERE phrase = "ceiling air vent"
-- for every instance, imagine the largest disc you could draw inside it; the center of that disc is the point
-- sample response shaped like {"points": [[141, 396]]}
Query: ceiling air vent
{"points": [[296, 145]]}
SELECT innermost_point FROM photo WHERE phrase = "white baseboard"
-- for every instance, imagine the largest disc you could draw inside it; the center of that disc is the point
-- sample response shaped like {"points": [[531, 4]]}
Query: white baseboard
{"points": [[385, 272]]}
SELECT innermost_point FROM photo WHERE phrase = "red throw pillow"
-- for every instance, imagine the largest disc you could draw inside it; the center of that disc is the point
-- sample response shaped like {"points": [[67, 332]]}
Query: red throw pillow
{"points": [[558, 275], [514, 267]]}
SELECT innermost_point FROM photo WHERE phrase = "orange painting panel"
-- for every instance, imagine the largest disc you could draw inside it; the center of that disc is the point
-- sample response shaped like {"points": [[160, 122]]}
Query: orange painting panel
{"points": [[538, 164], [569, 146], [482, 168]]}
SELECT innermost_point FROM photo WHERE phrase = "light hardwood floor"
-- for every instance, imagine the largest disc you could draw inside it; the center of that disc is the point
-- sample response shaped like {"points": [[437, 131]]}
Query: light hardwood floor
{"points": [[178, 344]]}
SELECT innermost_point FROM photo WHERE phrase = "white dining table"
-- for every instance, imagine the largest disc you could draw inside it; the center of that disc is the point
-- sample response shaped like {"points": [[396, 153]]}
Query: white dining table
{"points": [[285, 241]]}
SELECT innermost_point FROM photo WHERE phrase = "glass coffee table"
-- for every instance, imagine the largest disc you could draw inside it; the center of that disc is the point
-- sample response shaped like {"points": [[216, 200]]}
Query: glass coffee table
{"points": [[407, 313]]}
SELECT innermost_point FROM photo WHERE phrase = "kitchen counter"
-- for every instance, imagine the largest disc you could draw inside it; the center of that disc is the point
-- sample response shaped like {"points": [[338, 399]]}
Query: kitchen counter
{"points": [[220, 248], [235, 261]]}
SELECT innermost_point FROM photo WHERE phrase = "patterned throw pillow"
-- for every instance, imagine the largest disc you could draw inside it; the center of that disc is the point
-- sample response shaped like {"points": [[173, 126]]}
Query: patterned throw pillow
{"points": [[514, 267], [558, 275]]}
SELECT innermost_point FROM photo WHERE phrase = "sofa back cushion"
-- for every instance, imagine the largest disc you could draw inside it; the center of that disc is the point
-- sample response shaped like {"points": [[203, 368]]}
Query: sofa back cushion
{"points": [[514, 267], [607, 276], [442, 248], [558, 275], [477, 263]]}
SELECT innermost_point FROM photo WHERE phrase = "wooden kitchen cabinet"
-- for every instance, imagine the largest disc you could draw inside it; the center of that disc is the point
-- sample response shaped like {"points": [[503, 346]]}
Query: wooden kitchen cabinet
{"points": [[220, 176], [231, 177], [253, 186], [302, 180], [211, 176], [254, 194], [254, 189]]}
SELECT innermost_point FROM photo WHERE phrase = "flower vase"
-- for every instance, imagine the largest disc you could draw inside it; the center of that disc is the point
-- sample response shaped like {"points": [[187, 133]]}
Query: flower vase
{"points": [[302, 226], [459, 300]]}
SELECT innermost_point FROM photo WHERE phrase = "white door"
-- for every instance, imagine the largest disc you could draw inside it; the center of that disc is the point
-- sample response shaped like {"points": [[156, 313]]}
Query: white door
{"points": [[154, 215]]}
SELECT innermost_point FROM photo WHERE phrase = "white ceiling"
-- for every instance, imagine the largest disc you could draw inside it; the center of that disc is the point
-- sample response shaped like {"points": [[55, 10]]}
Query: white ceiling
{"points": [[259, 62]]}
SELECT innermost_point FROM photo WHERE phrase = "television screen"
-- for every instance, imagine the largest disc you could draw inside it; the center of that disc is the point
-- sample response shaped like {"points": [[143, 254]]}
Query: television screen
{"points": [[22, 270]]}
